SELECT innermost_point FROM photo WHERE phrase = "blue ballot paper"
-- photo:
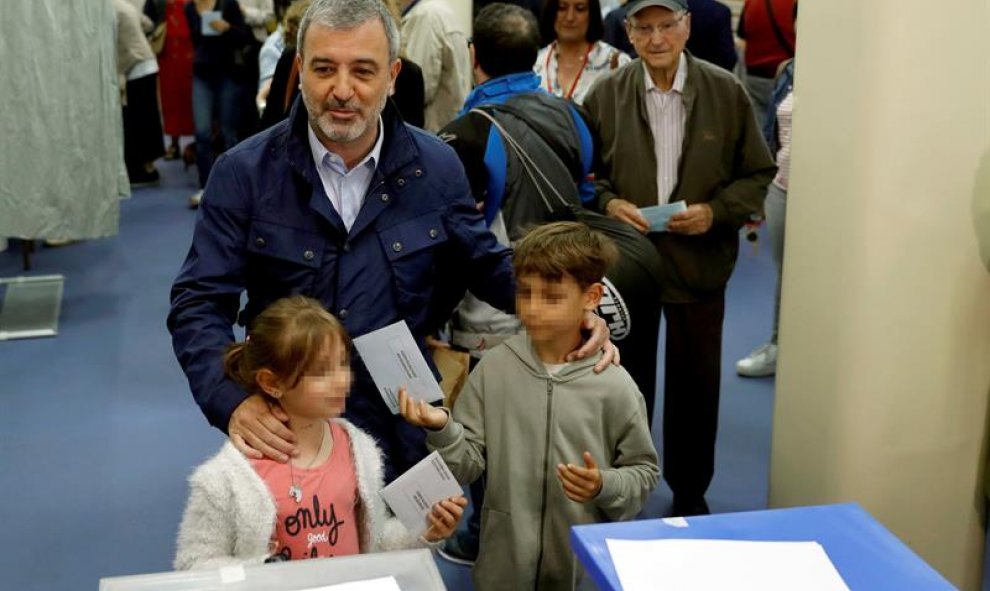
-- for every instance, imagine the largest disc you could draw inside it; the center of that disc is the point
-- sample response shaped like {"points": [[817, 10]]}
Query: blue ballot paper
{"points": [[659, 215], [207, 18]]}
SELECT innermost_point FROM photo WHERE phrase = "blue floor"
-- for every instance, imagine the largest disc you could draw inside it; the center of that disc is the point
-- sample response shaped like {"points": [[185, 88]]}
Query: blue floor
{"points": [[98, 431]]}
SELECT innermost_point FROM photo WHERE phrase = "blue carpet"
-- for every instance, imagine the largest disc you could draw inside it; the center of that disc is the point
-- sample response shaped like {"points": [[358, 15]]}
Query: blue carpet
{"points": [[99, 431]]}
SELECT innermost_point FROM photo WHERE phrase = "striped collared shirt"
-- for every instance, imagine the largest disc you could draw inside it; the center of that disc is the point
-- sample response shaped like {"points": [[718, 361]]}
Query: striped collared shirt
{"points": [[667, 118]]}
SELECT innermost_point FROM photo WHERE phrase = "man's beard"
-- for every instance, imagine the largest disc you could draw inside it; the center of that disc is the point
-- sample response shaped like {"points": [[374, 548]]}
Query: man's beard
{"points": [[343, 133]]}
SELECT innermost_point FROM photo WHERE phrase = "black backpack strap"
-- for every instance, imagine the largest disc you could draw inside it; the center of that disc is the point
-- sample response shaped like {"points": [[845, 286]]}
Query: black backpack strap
{"points": [[540, 130]]}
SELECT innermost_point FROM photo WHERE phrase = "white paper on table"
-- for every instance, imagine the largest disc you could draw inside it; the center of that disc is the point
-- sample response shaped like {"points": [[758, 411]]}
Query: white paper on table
{"points": [[394, 360], [206, 18], [412, 495], [705, 565], [382, 584]]}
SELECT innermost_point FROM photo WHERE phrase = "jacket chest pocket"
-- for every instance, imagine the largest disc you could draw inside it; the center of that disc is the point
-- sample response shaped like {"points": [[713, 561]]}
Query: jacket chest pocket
{"points": [[283, 258], [411, 251]]}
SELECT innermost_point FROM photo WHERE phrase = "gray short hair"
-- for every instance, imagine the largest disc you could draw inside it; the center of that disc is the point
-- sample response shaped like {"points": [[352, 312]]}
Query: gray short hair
{"points": [[349, 14]]}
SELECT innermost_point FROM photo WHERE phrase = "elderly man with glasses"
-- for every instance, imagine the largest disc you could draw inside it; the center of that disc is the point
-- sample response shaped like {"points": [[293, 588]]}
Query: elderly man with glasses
{"points": [[677, 128]]}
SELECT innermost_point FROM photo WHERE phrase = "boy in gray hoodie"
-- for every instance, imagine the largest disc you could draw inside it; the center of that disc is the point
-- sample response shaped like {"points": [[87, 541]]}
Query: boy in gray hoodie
{"points": [[562, 445]]}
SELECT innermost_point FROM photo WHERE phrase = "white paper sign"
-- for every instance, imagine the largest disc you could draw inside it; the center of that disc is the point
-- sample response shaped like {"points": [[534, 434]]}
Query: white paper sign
{"points": [[412, 495], [708, 565], [394, 360], [382, 584]]}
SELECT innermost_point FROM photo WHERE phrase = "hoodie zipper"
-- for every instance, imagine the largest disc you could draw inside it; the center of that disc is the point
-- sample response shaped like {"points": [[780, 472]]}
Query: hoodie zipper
{"points": [[546, 471]]}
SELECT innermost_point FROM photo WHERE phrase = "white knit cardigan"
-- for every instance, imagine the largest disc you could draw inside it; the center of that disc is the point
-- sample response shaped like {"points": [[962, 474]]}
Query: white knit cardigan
{"points": [[230, 516]]}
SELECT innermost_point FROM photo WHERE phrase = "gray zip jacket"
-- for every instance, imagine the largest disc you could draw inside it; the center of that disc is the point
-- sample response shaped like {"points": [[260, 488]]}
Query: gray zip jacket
{"points": [[520, 423]]}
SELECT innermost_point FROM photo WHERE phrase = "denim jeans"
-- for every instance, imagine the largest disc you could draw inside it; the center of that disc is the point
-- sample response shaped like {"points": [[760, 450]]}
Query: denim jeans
{"points": [[775, 210], [215, 97]]}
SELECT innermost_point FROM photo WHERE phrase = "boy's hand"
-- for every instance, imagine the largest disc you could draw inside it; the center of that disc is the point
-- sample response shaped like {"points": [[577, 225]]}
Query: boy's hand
{"points": [[444, 518], [419, 413], [580, 484]]}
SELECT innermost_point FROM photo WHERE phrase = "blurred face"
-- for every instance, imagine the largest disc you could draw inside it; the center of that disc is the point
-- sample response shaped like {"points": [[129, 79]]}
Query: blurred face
{"points": [[572, 21], [345, 77], [659, 36], [553, 310], [321, 392]]}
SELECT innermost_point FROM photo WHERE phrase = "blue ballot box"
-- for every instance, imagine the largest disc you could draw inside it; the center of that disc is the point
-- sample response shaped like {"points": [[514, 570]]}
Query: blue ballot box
{"points": [[866, 554], [414, 570]]}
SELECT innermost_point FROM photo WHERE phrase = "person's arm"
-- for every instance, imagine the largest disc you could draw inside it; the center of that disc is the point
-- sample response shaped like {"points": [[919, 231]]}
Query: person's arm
{"points": [[725, 44], [485, 264], [607, 199], [195, 23], [754, 169], [459, 436], [634, 472], [257, 12], [423, 34], [207, 533], [205, 300], [468, 136]]}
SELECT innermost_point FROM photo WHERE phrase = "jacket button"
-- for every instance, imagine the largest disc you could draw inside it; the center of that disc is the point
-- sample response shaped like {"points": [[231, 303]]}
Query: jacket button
{"points": [[397, 246], [419, 172], [401, 182], [342, 314], [308, 255], [384, 197], [346, 247], [260, 242], [433, 233]]}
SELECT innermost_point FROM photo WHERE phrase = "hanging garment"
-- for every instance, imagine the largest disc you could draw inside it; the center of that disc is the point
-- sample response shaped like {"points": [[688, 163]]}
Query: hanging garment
{"points": [[61, 169]]}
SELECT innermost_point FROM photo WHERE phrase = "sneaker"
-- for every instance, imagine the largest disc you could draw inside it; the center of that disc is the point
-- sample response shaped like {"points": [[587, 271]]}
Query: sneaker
{"points": [[760, 363], [195, 199], [461, 548]]}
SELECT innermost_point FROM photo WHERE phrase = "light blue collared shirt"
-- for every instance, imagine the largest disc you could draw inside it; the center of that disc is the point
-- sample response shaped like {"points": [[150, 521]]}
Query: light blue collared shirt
{"points": [[345, 188]]}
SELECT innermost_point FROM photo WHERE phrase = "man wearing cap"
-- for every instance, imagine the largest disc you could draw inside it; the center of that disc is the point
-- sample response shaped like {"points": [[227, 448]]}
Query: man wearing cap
{"points": [[691, 125]]}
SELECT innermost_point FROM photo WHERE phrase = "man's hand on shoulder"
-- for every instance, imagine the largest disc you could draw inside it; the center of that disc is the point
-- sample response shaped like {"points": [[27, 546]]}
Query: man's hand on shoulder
{"points": [[597, 341], [257, 432]]}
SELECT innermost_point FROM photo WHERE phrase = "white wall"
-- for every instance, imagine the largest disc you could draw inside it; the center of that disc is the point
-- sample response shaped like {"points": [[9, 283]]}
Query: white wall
{"points": [[884, 369]]}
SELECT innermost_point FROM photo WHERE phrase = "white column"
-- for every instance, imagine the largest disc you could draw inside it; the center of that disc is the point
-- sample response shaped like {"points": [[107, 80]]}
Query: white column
{"points": [[884, 368]]}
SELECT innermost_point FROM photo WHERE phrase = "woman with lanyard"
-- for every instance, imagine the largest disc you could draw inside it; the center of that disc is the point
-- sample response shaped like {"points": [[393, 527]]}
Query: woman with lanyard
{"points": [[576, 55]]}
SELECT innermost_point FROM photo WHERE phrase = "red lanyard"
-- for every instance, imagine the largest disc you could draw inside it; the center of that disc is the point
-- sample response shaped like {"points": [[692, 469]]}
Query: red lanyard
{"points": [[584, 64]]}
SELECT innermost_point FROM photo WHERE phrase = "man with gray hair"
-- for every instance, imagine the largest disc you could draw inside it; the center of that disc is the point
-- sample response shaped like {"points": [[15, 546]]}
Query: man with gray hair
{"points": [[344, 203]]}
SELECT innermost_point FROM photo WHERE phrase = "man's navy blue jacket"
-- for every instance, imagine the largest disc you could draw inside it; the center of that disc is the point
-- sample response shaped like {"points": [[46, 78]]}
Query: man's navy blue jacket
{"points": [[266, 227]]}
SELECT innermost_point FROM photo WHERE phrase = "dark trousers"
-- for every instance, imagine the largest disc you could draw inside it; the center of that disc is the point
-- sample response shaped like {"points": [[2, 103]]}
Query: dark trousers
{"points": [[692, 373]]}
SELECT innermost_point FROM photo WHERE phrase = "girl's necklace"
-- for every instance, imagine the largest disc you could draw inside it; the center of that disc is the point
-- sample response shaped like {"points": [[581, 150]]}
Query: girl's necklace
{"points": [[295, 490]]}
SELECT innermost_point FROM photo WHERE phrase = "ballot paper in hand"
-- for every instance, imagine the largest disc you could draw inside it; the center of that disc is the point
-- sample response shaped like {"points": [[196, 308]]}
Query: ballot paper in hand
{"points": [[381, 584], [394, 361], [206, 19], [412, 495], [705, 565], [659, 215]]}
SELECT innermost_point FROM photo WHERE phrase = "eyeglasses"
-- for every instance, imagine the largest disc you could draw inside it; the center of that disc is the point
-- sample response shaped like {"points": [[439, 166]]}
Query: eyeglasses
{"points": [[664, 29]]}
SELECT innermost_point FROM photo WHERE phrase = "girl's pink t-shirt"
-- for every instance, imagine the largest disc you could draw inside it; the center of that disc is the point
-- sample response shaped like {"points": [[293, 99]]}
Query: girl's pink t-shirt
{"points": [[324, 522]]}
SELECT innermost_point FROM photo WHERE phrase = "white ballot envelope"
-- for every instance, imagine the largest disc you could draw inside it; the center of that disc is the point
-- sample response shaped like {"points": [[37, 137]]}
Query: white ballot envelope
{"points": [[381, 584], [394, 360], [412, 495], [206, 18], [659, 215]]}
